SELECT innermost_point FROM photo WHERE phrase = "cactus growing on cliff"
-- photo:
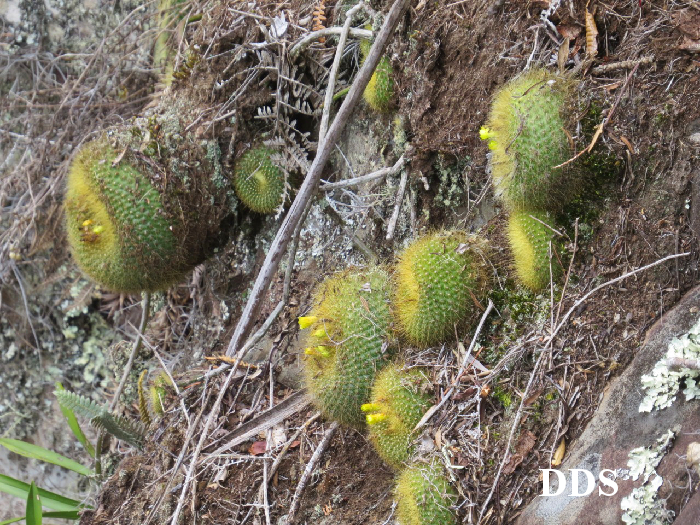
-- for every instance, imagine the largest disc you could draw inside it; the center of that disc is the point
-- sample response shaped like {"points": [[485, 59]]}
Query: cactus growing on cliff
{"points": [[347, 341], [424, 496], [137, 222], [535, 248], [399, 400], [527, 133], [259, 183], [438, 281]]}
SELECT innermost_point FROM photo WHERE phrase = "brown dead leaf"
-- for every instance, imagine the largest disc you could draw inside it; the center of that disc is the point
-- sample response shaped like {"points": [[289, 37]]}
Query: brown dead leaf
{"points": [[571, 32], [525, 444], [591, 35], [532, 398], [257, 448]]}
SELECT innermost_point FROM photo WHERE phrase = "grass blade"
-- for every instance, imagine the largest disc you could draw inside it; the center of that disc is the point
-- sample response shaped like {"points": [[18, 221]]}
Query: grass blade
{"points": [[49, 456], [33, 509], [75, 427], [49, 499]]}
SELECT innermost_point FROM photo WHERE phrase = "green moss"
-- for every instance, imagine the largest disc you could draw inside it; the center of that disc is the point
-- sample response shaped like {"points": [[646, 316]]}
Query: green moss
{"points": [[503, 396]]}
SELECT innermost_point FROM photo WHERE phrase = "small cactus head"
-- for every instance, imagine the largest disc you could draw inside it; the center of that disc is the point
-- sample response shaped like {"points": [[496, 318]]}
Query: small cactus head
{"points": [[399, 400], [438, 283], [259, 184], [424, 496], [536, 252], [526, 132], [346, 342], [379, 93]]}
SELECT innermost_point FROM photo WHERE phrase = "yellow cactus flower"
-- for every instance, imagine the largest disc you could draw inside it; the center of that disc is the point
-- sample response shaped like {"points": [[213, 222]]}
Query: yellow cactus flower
{"points": [[305, 322], [485, 133], [375, 418], [370, 407]]}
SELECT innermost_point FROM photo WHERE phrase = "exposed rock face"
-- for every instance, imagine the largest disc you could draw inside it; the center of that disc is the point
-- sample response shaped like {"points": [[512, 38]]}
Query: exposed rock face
{"points": [[617, 428]]}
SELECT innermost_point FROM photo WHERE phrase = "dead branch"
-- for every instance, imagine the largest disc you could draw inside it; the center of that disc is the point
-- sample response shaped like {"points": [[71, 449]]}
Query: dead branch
{"points": [[309, 39], [384, 172], [397, 208]]}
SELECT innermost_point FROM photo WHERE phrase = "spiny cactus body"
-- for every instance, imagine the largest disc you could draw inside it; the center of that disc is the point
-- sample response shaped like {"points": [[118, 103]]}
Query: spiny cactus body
{"points": [[143, 205], [347, 342], [530, 235], [399, 400], [438, 281], [424, 496], [258, 182], [118, 230], [379, 92], [526, 131]]}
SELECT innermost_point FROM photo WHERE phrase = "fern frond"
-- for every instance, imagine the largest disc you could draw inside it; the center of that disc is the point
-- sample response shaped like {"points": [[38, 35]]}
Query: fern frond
{"points": [[120, 427]]}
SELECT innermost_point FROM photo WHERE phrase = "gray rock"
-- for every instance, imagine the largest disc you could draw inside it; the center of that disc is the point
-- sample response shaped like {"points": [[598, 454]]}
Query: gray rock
{"points": [[618, 427]]}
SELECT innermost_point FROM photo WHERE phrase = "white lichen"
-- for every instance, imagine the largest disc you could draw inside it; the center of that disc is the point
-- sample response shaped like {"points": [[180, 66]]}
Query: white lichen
{"points": [[663, 383], [643, 506]]}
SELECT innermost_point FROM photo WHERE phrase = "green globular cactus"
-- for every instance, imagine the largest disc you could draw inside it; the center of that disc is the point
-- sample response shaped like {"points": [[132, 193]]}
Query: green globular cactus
{"points": [[347, 342], [424, 496], [259, 184], [118, 230], [526, 132], [400, 398], [530, 235], [379, 92], [437, 283]]}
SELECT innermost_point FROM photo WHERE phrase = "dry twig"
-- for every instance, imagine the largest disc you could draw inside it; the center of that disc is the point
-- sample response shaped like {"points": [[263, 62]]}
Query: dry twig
{"points": [[310, 466]]}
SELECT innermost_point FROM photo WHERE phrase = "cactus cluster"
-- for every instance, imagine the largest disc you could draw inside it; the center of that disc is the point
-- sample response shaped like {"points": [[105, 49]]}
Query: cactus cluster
{"points": [[348, 341], [400, 398], [259, 184], [424, 496], [438, 281], [527, 134]]}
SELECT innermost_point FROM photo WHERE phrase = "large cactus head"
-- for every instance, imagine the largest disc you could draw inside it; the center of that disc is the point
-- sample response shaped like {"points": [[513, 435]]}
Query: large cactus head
{"points": [[259, 183], [348, 328], [527, 133], [424, 496], [438, 282], [536, 251], [399, 400], [118, 230], [140, 218]]}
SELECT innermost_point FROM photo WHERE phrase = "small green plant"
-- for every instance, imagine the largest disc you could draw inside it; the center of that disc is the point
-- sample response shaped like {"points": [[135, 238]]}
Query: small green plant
{"points": [[536, 252], [438, 283], [424, 496], [347, 342], [61, 507], [259, 184], [379, 93], [527, 133], [399, 400]]}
